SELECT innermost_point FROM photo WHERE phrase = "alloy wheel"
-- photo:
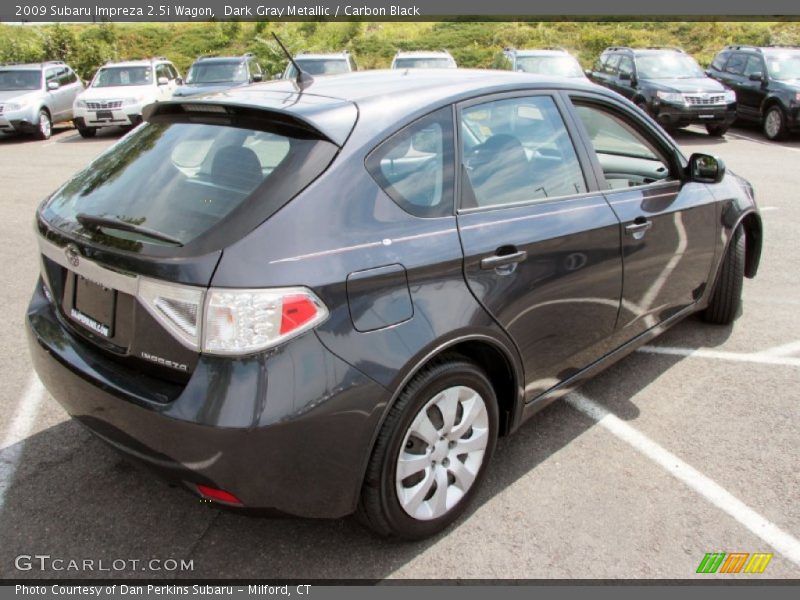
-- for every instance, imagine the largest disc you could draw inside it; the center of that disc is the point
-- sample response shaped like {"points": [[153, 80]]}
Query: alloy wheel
{"points": [[45, 127], [772, 124], [442, 453]]}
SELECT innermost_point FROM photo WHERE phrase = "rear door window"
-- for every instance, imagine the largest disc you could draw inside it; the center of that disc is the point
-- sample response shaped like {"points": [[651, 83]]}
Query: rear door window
{"points": [[523, 153], [415, 165], [178, 179]]}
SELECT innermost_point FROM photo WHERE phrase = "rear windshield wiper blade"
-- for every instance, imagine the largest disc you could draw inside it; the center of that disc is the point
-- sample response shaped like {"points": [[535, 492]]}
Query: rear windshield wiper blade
{"points": [[95, 222]]}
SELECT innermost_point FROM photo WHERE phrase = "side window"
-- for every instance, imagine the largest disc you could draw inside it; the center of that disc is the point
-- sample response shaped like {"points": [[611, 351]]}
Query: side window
{"points": [[599, 63], [255, 68], [415, 166], [519, 150], [162, 71], [754, 65], [51, 75], [173, 72], [353, 66], [66, 77], [626, 65], [626, 156], [719, 60], [611, 64], [736, 64]]}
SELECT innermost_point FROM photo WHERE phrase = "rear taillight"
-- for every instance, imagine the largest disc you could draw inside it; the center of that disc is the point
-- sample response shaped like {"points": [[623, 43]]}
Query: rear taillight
{"points": [[231, 321], [218, 495]]}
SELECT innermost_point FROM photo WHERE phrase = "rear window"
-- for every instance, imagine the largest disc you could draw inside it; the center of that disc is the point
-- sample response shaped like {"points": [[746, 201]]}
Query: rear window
{"points": [[178, 180]]}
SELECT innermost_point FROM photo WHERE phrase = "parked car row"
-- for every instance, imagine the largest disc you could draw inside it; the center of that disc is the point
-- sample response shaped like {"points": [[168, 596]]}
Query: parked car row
{"points": [[760, 84]]}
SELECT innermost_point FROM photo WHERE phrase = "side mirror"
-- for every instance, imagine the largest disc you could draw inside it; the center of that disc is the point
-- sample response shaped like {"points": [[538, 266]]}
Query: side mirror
{"points": [[757, 76], [258, 77], [278, 76], [53, 85], [179, 80], [625, 77], [162, 81], [704, 168], [588, 73]]}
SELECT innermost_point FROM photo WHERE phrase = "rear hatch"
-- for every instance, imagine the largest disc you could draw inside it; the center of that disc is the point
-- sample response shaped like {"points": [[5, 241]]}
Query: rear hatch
{"points": [[130, 244]]}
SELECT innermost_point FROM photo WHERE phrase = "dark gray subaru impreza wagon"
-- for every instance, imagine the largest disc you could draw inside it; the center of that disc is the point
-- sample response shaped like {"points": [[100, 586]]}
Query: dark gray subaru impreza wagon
{"points": [[333, 296]]}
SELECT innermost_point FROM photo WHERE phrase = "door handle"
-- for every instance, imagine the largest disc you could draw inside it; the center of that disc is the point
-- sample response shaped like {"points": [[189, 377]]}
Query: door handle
{"points": [[638, 228], [503, 260]]}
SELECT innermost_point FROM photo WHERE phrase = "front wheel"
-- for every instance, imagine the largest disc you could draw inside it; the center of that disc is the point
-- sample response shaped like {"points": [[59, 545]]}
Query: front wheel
{"points": [[432, 451], [717, 130], [44, 128], [774, 123], [727, 298]]}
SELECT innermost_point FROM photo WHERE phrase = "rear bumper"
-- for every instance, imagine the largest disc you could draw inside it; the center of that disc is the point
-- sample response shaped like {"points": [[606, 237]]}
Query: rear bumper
{"points": [[676, 115], [290, 430]]}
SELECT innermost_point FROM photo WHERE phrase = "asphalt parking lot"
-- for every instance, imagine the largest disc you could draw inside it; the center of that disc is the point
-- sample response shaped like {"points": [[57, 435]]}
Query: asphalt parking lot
{"points": [[686, 447]]}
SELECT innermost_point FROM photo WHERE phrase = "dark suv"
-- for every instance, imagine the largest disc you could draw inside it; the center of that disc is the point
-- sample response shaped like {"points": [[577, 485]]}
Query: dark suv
{"points": [[282, 298], [668, 84], [215, 73], [767, 85]]}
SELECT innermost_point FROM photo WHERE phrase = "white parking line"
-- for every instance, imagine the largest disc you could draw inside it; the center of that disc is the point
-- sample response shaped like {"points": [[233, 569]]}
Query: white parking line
{"points": [[749, 357], [781, 541], [14, 439], [765, 142]]}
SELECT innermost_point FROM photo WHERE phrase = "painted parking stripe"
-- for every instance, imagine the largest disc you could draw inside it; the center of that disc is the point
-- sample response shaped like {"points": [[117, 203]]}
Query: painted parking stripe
{"points": [[747, 357], [22, 424], [764, 142], [773, 535]]}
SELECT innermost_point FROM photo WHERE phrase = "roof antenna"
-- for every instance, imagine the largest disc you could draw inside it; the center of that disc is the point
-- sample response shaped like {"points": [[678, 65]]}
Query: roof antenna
{"points": [[303, 79]]}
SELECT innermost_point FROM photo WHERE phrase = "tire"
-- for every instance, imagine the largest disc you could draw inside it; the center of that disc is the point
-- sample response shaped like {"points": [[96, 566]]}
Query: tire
{"points": [[717, 130], [727, 296], [44, 128], [774, 124], [388, 505], [87, 132]]}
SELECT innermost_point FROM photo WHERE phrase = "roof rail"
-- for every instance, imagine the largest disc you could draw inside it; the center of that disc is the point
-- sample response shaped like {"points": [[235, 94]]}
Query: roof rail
{"points": [[155, 58], [760, 48], [673, 48], [53, 62], [614, 48], [248, 55], [555, 48]]}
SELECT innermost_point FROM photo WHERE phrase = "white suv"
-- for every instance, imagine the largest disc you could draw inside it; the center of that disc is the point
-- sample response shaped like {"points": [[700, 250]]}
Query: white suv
{"points": [[119, 92], [424, 59]]}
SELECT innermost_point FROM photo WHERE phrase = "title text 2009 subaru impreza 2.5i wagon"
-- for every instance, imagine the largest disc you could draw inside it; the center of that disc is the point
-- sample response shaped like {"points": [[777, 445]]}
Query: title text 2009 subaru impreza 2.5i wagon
{"points": [[333, 298]]}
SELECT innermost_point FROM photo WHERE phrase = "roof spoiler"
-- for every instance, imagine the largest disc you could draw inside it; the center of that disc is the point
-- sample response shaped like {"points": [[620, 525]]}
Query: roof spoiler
{"points": [[332, 121]]}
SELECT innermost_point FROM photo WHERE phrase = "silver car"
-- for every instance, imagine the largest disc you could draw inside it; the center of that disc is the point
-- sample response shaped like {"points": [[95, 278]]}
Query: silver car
{"points": [[35, 96]]}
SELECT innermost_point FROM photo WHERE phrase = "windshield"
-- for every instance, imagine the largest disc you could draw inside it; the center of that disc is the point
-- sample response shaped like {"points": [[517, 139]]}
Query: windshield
{"points": [[784, 67], [667, 65], [423, 63], [14, 79], [176, 179], [217, 72], [319, 66], [116, 76], [560, 66]]}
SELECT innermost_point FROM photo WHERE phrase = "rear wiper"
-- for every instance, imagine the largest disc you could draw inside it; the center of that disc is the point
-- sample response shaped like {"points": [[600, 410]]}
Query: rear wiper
{"points": [[95, 223]]}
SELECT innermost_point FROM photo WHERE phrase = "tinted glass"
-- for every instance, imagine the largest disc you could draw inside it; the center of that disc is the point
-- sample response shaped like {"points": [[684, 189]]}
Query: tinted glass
{"points": [[611, 63], [626, 156], [754, 65], [626, 65], [177, 179], [423, 63], [67, 77], [518, 150], [217, 72], [122, 76], [14, 79], [719, 61], [319, 66], [415, 166], [784, 66], [560, 66], [667, 65], [736, 64]]}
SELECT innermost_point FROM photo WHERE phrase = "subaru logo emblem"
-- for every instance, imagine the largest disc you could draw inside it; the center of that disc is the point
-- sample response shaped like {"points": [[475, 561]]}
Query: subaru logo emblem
{"points": [[73, 255]]}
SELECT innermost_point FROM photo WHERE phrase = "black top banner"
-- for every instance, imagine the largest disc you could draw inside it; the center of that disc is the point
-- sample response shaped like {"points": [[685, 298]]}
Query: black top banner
{"points": [[419, 10]]}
